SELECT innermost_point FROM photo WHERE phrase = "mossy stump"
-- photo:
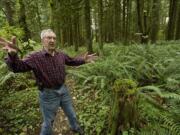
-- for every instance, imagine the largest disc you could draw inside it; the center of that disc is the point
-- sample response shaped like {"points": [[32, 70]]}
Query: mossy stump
{"points": [[124, 113]]}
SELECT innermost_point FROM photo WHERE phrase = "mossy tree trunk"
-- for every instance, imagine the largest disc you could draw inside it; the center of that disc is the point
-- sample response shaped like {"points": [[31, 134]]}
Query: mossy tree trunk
{"points": [[124, 113]]}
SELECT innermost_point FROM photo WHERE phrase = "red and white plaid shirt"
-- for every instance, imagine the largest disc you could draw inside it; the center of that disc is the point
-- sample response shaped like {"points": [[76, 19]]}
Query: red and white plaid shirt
{"points": [[48, 70]]}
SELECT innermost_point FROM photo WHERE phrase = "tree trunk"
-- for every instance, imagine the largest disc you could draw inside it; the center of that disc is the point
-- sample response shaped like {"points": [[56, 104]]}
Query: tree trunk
{"points": [[124, 20], [124, 113], [88, 36], [76, 30], [38, 15], [155, 20], [100, 22], [140, 4], [178, 23], [144, 37], [172, 19], [55, 19], [128, 21], [22, 21], [9, 12], [116, 6]]}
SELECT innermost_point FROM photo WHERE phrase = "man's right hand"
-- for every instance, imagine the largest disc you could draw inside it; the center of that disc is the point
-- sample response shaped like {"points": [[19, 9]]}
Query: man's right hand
{"points": [[9, 46]]}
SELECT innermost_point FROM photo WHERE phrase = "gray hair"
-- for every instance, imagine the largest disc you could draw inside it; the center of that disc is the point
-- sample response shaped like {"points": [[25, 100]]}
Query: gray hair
{"points": [[43, 32]]}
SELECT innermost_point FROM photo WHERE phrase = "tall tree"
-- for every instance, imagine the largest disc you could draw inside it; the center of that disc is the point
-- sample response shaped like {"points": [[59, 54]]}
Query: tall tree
{"points": [[178, 23], [155, 20], [142, 21], [88, 36], [140, 8], [55, 7], [128, 21], [22, 21], [116, 20], [100, 22], [172, 19], [8, 11]]}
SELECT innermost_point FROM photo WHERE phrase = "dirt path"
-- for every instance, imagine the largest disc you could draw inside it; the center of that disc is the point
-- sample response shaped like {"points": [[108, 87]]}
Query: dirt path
{"points": [[61, 126]]}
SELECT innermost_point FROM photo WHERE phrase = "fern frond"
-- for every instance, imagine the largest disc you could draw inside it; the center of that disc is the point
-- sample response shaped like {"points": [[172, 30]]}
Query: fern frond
{"points": [[6, 78]]}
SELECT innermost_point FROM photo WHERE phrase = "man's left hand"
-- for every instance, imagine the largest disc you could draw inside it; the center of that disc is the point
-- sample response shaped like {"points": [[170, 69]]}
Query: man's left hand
{"points": [[90, 58]]}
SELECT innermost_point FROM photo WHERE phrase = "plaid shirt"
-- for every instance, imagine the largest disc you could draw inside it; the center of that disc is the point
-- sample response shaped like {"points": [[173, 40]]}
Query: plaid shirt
{"points": [[48, 70]]}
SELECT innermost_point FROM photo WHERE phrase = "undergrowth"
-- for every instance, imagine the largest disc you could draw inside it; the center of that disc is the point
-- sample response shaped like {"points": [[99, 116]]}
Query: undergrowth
{"points": [[155, 68]]}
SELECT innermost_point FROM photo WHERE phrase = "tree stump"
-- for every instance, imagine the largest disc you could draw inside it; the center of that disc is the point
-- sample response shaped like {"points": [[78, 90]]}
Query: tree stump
{"points": [[124, 113]]}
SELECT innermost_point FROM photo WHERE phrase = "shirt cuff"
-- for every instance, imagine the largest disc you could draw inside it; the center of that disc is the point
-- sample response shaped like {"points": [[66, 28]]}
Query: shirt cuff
{"points": [[12, 57]]}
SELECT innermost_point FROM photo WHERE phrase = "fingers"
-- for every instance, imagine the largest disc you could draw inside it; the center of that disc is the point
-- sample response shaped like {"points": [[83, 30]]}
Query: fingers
{"points": [[2, 42], [85, 55], [13, 40], [5, 48], [2, 39], [94, 54], [5, 41], [8, 49], [94, 58]]}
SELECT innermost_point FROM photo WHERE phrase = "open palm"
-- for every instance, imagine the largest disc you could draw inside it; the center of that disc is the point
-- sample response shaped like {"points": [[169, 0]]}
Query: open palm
{"points": [[90, 58], [9, 46]]}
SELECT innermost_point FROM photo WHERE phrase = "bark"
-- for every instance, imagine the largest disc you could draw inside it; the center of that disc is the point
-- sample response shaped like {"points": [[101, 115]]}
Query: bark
{"points": [[128, 22], [38, 15], [116, 21], [100, 22], [55, 19], [76, 34], [144, 37], [124, 19], [88, 36], [22, 21], [9, 11], [172, 19], [140, 15], [155, 20], [178, 23]]}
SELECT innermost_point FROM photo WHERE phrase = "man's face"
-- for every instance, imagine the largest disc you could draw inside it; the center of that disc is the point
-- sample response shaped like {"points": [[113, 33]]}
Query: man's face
{"points": [[49, 41]]}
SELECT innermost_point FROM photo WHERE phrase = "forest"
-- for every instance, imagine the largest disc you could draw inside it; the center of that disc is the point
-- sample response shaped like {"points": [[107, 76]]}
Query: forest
{"points": [[133, 88]]}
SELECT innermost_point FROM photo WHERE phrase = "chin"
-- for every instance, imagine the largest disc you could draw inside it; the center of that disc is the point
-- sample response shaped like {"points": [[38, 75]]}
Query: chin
{"points": [[52, 48]]}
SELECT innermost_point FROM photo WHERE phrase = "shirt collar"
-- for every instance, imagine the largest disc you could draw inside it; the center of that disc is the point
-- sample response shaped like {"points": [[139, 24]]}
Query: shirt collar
{"points": [[44, 52]]}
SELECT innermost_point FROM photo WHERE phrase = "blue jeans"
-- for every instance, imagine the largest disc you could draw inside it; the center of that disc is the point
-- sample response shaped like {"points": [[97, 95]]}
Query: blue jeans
{"points": [[50, 101]]}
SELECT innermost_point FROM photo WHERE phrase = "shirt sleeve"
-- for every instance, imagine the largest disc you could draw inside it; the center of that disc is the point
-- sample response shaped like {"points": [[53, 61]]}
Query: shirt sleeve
{"points": [[17, 65], [73, 61]]}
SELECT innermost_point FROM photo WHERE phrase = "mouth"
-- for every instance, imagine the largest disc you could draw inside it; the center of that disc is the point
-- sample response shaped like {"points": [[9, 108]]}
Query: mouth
{"points": [[52, 45]]}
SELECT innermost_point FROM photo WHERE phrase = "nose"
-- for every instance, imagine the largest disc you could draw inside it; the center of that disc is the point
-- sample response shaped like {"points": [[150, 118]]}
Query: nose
{"points": [[52, 40]]}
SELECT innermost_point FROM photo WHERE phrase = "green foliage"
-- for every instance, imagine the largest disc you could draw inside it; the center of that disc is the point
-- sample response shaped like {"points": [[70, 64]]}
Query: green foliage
{"points": [[9, 31], [124, 113], [153, 67], [125, 87], [27, 47], [20, 112], [93, 112], [19, 107]]}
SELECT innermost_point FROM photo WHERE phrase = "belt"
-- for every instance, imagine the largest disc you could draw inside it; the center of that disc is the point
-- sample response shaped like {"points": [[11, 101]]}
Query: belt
{"points": [[54, 87]]}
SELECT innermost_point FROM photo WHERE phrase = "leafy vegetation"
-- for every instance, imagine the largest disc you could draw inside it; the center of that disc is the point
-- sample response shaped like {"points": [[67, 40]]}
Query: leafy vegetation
{"points": [[153, 67]]}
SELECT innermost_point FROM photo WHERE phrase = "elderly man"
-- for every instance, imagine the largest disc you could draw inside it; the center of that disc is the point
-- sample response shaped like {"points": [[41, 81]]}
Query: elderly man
{"points": [[48, 66]]}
